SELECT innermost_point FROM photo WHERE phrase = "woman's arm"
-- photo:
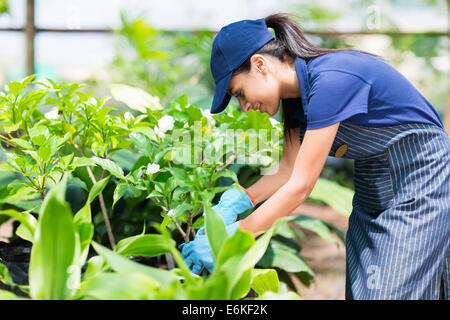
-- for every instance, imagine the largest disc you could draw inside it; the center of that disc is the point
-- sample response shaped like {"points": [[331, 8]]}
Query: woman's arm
{"points": [[308, 165], [279, 175]]}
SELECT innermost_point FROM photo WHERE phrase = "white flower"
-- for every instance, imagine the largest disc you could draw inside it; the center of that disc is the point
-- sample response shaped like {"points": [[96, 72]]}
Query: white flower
{"points": [[170, 212], [159, 132], [274, 122], [52, 114], [166, 123], [152, 168], [185, 125], [127, 116], [209, 118]]}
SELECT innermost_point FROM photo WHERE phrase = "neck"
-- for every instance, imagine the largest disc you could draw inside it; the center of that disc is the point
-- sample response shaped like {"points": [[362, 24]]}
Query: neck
{"points": [[289, 86]]}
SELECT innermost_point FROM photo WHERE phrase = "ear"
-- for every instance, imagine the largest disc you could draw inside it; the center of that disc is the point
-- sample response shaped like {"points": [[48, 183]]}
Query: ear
{"points": [[259, 63]]}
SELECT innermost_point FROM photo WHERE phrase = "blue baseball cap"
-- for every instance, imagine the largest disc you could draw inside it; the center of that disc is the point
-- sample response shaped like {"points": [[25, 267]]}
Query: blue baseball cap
{"points": [[234, 44]]}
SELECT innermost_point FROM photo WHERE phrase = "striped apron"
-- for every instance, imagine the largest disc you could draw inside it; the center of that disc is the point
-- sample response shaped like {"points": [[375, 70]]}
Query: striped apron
{"points": [[398, 239]]}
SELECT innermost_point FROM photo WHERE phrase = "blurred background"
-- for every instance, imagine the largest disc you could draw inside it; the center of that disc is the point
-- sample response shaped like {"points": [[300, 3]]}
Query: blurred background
{"points": [[164, 48]]}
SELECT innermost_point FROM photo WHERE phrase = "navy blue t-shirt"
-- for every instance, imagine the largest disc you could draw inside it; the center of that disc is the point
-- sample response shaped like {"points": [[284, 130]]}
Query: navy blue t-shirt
{"points": [[356, 88]]}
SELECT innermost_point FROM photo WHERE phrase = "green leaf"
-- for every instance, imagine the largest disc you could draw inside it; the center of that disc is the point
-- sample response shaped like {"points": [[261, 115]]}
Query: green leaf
{"points": [[123, 265], [78, 182], [28, 79], [180, 175], [5, 277], [315, 225], [109, 166], [215, 288], [215, 230], [200, 222], [11, 127], [6, 167], [242, 286], [237, 245], [85, 232], [84, 214], [149, 132], [264, 280], [336, 196], [28, 222], [123, 189], [97, 189], [114, 286], [280, 256], [195, 114], [6, 295], [15, 88], [22, 143], [82, 161], [256, 252], [95, 265], [148, 245], [125, 158], [119, 191], [225, 173], [24, 233], [142, 143], [181, 209], [47, 149], [53, 250], [39, 134], [228, 264]]}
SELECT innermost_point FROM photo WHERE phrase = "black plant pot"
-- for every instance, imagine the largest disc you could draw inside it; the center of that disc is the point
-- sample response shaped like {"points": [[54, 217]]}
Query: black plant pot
{"points": [[16, 257]]}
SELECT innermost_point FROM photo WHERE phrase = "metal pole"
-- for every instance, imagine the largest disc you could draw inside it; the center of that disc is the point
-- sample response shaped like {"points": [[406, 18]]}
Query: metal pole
{"points": [[30, 31]]}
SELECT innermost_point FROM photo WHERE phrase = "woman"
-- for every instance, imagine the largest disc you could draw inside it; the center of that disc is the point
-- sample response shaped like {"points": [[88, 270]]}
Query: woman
{"points": [[351, 104]]}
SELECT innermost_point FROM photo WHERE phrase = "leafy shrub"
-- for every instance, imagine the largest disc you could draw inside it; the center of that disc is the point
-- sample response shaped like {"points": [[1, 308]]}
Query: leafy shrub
{"points": [[138, 159]]}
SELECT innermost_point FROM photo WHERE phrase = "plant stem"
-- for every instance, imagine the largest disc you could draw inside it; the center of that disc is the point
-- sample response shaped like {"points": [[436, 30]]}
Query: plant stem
{"points": [[189, 223], [185, 236], [102, 202], [226, 164], [188, 230]]}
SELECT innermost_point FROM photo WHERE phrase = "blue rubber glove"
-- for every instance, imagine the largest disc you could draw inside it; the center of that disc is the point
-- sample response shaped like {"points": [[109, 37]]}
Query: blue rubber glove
{"points": [[232, 203], [197, 253]]}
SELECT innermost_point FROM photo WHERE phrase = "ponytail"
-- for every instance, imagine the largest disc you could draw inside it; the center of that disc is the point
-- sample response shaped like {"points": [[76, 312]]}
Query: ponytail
{"points": [[290, 41]]}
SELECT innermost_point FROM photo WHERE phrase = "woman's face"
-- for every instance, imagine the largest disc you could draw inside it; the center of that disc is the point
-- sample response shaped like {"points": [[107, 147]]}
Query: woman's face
{"points": [[258, 89]]}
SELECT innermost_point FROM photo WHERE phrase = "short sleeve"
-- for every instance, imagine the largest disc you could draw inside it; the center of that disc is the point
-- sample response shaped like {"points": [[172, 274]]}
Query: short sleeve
{"points": [[334, 97]]}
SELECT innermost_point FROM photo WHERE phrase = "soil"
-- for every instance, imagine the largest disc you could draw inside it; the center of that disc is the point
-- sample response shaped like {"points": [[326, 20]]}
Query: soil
{"points": [[325, 258]]}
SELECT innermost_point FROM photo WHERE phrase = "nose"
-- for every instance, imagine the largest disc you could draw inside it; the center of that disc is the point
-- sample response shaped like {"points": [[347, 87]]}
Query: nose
{"points": [[246, 106]]}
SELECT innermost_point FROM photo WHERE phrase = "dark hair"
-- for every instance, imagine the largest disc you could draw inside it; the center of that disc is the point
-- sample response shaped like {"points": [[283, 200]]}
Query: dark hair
{"points": [[290, 41]]}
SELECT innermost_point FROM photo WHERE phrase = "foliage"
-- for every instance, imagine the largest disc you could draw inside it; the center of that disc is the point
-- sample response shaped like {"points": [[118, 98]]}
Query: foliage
{"points": [[57, 255], [166, 162], [4, 6]]}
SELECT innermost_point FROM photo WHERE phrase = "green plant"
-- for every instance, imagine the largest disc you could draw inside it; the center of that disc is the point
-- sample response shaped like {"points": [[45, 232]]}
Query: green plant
{"points": [[60, 240], [165, 164], [164, 63], [4, 6]]}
